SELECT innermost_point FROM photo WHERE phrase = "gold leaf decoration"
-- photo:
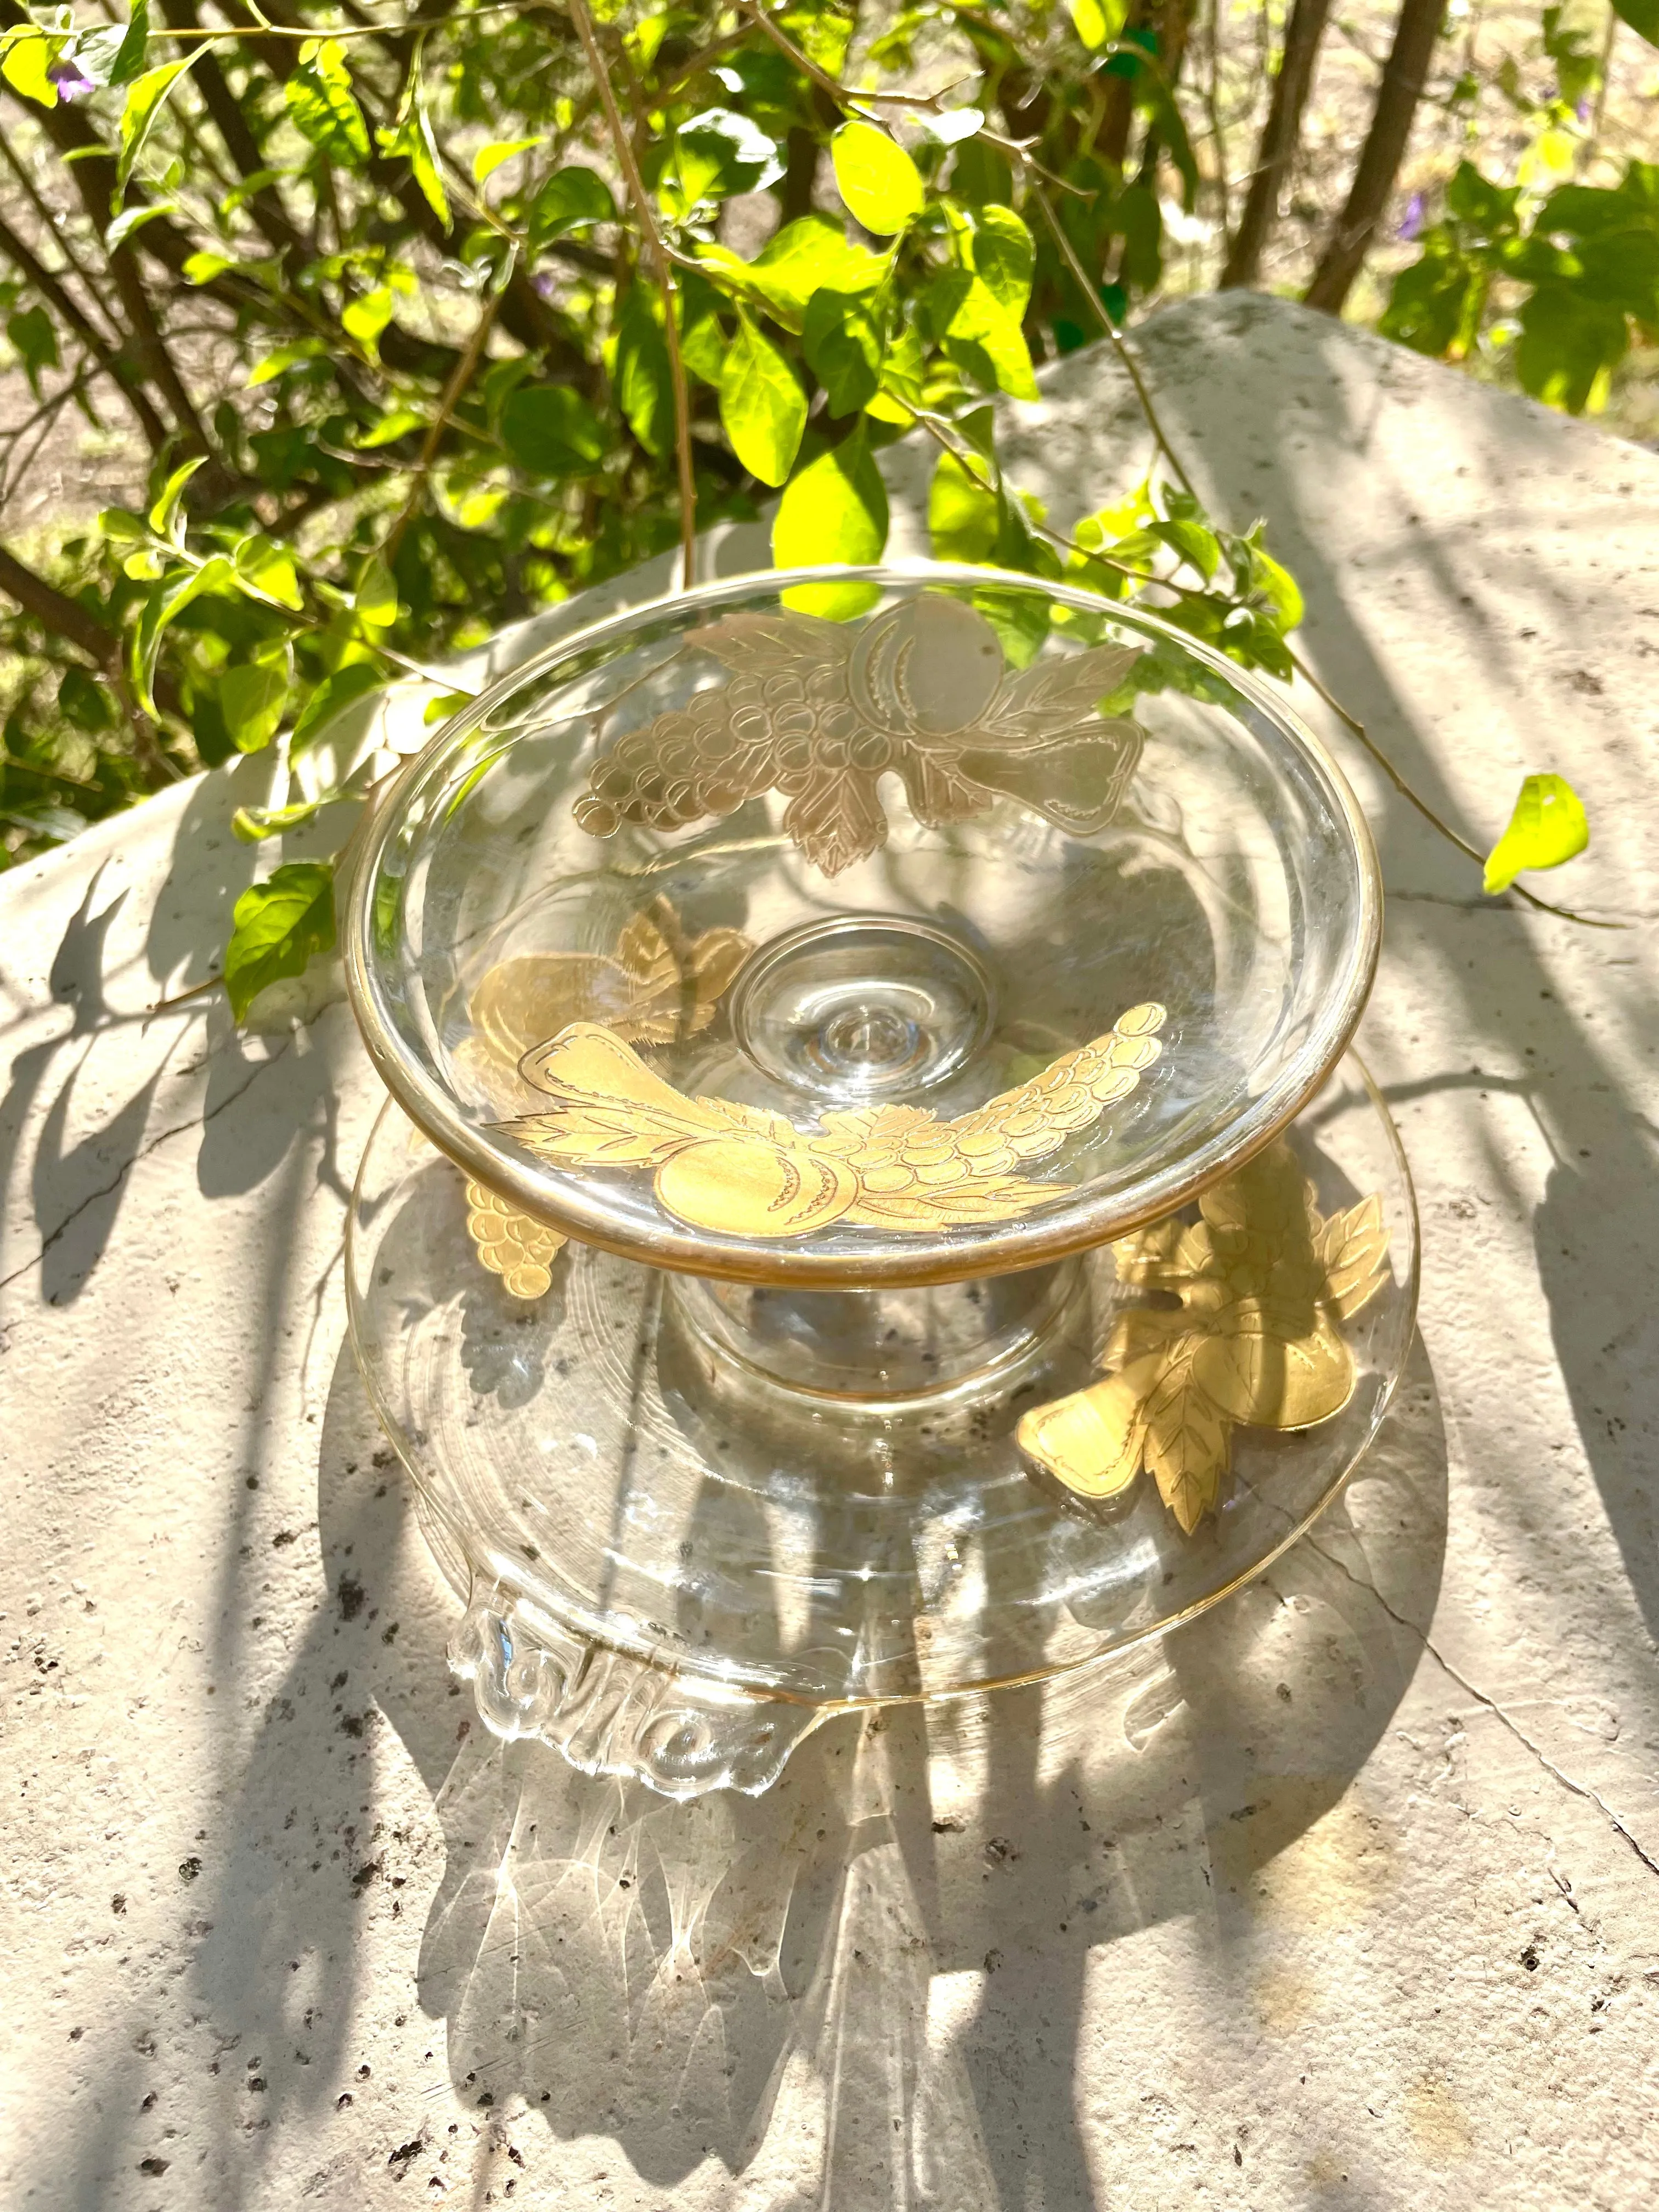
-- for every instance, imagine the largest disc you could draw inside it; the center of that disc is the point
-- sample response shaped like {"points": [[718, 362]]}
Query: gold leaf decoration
{"points": [[511, 1244], [659, 985], [1264, 1282], [744, 1172], [819, 711]]}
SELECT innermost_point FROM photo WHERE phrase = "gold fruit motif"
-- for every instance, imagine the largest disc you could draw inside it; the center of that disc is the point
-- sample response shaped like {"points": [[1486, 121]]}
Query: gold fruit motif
{"points": [[741, 1171]]}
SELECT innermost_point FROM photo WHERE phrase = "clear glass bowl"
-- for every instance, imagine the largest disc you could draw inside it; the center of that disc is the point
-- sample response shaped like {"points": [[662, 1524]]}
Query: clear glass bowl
{"points": [[925, 853], [919, 998]]}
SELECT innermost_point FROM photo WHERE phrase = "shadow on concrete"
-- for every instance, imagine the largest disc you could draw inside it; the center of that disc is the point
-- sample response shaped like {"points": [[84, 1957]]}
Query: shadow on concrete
{"points": [[751, 1979]]}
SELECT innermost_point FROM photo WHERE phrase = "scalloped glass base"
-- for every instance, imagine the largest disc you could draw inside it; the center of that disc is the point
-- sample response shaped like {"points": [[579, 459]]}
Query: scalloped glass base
{"points": [[688, 1520]]}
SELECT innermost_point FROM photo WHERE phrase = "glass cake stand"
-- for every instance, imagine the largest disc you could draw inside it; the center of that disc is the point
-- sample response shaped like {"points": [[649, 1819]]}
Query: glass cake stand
{"points": [[877, 1202]]}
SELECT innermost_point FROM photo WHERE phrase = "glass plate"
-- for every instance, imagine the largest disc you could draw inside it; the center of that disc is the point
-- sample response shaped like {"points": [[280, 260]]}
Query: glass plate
{"points": [[688, 1520]]}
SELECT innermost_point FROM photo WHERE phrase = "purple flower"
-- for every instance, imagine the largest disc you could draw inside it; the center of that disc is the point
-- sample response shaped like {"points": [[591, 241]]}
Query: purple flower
{"points": [[1411, 222], [1582, 110], [71, 79]]}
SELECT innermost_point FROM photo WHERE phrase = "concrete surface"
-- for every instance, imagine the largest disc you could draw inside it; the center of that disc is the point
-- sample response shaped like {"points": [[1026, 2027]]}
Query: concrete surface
{"points": [[1348, 1899]]}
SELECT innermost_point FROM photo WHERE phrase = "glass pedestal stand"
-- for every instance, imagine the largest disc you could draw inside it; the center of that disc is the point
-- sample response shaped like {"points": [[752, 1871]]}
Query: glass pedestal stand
{"points": [[884, 1211], [690, 1520]]}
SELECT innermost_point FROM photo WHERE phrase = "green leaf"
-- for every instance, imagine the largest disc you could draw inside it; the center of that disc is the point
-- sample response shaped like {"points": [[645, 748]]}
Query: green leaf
{"points": [[712, 156], [128, 60], [1001, 254], [703, 340], [835, 509], [880, 184], [135, 218], [251, 826], [844, 342], [251, 698], [763, 407], [285, 357], [1547, 827], [276, 928], [203, 267], [323, 106], [1642, 15], [1569, 347], [803, 258], [963, 515], [122, 527], [268, 570], [640, 377], [1201, 549], [550, 431], [365, 318], [395, 424], [376, 599], [979, 334], [1271, 582], [164, 512], [24, 57], [903, 379], [571, 198], [172, 595], [411, 138], [488, 159], [1435, 305], [34, 335], [332, 698], [1096, 22], [146, 97]]}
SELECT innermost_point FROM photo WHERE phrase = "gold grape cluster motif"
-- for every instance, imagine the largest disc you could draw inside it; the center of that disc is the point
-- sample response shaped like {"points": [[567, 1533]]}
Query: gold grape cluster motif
{"points": [[513, 1245], [819, 711], [1264, 1282], [741, 1171]]}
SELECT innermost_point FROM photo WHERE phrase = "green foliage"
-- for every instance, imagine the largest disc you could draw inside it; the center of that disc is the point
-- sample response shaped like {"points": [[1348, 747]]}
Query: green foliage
{"points": [[763, 407], [276, 928], [1547, 827], [451, 397], [835, 510], [1642, 15], [1578, 271]]}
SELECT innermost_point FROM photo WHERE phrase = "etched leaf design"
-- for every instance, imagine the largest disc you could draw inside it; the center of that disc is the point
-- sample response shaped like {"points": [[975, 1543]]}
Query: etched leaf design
{"points": [[819, 711], [1262, 1371], [1094, 1439]]}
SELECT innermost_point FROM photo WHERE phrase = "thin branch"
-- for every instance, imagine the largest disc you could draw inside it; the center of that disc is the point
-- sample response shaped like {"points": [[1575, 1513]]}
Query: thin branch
{"points": [[1281, 136], [1358, 729], [56, 227], [1416, 35], [647, 221], [1131, 366], [50, 287]]}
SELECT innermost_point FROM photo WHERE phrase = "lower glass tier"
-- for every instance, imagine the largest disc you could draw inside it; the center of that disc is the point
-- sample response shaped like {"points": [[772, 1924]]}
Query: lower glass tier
{"points": [[690, 1520]]}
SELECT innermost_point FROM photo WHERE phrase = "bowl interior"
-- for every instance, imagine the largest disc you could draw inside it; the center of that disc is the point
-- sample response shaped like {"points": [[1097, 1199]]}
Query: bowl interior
{"points": [[711, 935]]}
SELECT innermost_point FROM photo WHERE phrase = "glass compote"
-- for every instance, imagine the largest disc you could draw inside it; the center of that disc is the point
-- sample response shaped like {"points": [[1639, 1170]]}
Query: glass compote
{"points": [[875, 1205]]}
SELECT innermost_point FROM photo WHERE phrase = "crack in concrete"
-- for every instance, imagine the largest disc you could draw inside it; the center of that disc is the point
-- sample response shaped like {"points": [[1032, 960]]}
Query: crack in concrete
{"points": [[1491, 1704], [150, 1145]]}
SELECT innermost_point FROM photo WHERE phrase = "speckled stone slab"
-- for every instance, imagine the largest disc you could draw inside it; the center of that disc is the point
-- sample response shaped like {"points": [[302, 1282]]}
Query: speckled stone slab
{"points": [[1347, 1898]]}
